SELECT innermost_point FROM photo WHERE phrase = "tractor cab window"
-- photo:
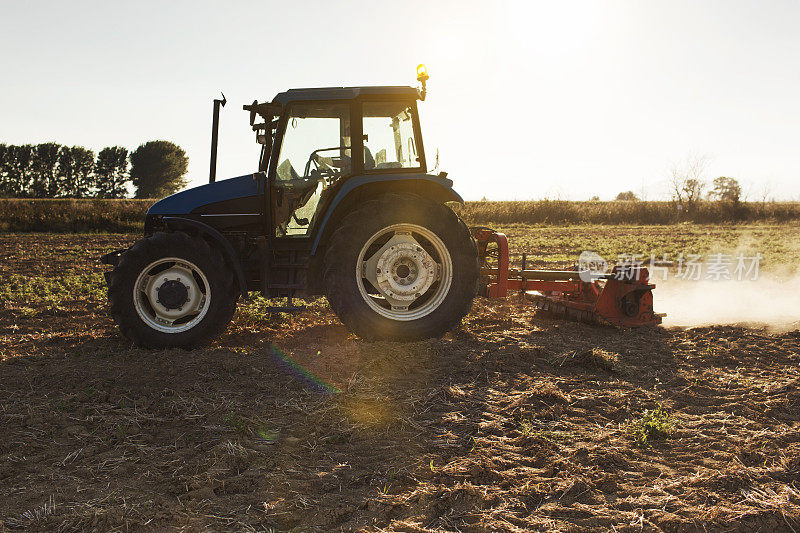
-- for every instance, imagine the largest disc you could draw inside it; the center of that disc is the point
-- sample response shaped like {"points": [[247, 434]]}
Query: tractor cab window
{"points": [[315, 153], [389, 140]]}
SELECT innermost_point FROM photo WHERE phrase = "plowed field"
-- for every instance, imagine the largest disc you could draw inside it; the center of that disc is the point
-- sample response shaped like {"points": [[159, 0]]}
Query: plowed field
{"points": [[511, 422]]}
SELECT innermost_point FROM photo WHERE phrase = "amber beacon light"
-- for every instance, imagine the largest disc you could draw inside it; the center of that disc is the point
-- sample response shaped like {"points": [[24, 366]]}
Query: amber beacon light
{"points": [[422, 77]]}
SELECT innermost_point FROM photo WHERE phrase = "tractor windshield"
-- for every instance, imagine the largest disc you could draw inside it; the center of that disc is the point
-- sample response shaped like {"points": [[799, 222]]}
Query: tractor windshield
{"points": [[389, 140], [316, 135]]}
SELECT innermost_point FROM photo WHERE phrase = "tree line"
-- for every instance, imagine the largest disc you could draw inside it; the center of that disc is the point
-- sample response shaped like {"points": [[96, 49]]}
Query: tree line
{"points": [[688, 191], [52, 170]]}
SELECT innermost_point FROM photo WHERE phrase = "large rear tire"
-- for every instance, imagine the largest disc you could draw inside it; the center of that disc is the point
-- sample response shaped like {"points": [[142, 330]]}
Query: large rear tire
{"points": [[172, 290], [401, 267]]}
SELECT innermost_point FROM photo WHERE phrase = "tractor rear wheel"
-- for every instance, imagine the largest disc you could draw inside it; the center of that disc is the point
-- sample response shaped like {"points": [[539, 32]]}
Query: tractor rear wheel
{"points": [[171, 290], [401, 267]]}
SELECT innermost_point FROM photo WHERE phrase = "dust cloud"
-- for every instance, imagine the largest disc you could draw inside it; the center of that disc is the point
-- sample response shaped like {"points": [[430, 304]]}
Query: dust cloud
{"points": [[771, 301]]}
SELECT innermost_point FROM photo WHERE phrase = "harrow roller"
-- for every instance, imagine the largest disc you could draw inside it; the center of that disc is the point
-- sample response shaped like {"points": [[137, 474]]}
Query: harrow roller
{"points": [[621, 298]]}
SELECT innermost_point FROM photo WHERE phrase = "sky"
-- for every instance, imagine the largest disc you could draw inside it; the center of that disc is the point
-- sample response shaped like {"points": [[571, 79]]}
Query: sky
{"points": [[526, 100]]}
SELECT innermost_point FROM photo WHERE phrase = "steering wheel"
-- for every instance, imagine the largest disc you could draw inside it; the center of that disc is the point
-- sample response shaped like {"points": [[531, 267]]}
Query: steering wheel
{"points": [[320, 171]]}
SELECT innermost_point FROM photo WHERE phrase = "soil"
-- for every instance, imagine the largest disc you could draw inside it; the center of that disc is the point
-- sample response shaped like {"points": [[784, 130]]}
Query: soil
{"points": [[511, 422]]}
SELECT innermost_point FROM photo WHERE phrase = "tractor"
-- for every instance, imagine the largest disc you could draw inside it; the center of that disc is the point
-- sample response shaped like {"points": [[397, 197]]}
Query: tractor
{"points": [[342, 205]]}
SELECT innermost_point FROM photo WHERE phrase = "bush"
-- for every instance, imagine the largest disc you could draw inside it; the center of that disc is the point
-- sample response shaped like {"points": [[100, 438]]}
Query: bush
{"points": [[627, 196]]}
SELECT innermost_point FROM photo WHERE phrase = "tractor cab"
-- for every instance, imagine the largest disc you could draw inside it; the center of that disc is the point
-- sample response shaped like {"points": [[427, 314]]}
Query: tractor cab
{"points": [[314, 140]]}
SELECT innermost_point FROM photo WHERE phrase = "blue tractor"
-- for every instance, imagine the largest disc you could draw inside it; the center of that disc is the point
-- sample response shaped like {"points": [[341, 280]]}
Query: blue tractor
{"points": [[342, 204]]}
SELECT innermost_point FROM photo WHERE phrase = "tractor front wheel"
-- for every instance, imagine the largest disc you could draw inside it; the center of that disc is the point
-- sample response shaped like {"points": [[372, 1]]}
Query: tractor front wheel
{"points": [[401, 267], [171, 290]]}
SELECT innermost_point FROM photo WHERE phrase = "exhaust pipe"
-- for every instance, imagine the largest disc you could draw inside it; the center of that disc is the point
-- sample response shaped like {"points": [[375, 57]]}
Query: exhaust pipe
{"points": [[212, 175]]}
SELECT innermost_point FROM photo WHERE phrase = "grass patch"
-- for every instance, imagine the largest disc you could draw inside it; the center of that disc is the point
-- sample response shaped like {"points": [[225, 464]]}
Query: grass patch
{"points": [[255, 312], [615, 212], [560, 246], [127, 215], [72, 285], [73, 216], [654, 425]]}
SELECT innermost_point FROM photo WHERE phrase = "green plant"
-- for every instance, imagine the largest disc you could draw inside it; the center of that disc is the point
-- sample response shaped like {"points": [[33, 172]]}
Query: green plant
{"points": [[63, 406], [234, 421], [27, 312], [266, 435], [655, 424], [527, 428], [256, 312]]}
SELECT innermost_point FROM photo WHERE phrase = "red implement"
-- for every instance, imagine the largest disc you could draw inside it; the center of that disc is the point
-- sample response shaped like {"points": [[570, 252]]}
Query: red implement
{"points": [[621, 298]]}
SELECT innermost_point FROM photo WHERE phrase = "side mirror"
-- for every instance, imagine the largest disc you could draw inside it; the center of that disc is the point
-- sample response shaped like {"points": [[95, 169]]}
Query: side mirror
{"points": [[253, 113]]}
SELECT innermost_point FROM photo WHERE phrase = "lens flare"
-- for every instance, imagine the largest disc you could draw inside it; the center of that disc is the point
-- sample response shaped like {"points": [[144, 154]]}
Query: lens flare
{"points": [[300, 372]]}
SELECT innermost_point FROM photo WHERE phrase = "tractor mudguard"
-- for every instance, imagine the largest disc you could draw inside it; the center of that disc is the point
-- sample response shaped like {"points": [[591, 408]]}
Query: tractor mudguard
{"points": [[111, 258], [438, 188], [177, 223]]}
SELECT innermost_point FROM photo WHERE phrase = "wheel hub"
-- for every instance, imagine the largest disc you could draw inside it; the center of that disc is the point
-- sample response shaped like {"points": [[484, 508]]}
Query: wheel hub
{"points": [[172, 294], [404, 272]]}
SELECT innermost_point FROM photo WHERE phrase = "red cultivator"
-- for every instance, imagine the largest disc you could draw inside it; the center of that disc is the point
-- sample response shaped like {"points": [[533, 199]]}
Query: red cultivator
{"points": [[621, 298]]}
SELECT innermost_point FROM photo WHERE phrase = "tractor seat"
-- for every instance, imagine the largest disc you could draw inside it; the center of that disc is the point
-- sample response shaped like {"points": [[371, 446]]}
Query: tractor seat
{"points": [[369, 161], [286, 171]]}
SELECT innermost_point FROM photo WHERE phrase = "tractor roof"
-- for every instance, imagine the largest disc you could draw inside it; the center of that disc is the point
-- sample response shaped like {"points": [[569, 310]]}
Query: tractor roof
{"points": [[344, 93]]}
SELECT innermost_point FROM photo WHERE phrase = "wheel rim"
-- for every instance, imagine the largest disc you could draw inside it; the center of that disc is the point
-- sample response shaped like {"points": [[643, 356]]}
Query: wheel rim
{"points": [[404, 272], [171, 295]]}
